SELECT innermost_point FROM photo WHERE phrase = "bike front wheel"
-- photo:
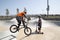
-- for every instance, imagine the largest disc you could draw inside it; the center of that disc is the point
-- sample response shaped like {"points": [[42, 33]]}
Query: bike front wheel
{"points": [[27, 31], [13, 29]]}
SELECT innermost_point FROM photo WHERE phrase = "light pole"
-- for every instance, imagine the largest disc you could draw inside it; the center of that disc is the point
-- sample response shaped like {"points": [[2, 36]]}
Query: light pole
{"points": [[17, 10], [47, 7], [25, 10]]}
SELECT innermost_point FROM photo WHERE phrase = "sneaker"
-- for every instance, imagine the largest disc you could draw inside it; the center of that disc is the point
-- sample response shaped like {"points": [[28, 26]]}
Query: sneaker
{"points": [[18, 29]]}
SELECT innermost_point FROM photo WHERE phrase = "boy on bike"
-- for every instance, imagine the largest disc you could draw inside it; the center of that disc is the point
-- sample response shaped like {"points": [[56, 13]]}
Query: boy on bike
{"points": [[19, 18]]}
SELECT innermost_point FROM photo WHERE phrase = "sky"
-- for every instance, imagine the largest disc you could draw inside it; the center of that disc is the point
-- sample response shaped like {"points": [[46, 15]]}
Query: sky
{"points": [[32, 6]]}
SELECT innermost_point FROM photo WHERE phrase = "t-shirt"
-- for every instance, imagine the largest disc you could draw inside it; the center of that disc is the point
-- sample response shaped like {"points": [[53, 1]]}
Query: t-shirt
{"points": [[39, 22], [21, 14]]}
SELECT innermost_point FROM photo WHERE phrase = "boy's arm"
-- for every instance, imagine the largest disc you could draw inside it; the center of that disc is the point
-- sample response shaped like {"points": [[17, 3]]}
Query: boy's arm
{"points": [[27, 17]]}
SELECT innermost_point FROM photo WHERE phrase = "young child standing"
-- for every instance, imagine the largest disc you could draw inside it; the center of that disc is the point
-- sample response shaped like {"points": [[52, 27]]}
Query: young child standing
{"points": [[39, 25]]}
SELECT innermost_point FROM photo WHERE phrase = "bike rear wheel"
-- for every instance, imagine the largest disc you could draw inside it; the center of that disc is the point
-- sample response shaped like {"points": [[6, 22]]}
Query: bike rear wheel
{"points": [[27, 31], [13, 29]]}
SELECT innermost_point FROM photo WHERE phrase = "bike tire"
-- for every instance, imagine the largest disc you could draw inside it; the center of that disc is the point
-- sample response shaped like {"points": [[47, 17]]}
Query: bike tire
{"points": [[28, 30], [12, 30]]}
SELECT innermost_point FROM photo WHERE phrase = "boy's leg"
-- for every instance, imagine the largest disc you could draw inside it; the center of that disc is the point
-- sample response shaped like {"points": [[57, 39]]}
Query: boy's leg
{"points": [[18, 20], [38, 29], [23, 23], [19, 24]]}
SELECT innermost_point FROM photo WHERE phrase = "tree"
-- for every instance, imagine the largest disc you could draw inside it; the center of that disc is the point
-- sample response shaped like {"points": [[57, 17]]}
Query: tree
{"points": [[7, 12]]}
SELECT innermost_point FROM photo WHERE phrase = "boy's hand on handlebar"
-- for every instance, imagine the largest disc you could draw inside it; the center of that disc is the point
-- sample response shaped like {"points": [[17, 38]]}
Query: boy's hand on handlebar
{"points": [[28, 18]]}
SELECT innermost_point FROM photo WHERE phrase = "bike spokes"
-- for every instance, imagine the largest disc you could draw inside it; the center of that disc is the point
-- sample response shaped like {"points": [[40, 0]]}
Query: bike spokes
{"points": [[27, 31], [13, 28]]}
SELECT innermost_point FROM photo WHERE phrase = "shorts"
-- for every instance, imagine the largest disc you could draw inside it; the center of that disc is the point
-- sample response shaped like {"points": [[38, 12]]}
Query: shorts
{"points": [[19, 19]]}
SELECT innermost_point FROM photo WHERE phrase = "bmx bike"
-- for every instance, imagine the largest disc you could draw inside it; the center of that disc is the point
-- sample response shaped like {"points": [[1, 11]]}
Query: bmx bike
{"points": [[27, 30]]}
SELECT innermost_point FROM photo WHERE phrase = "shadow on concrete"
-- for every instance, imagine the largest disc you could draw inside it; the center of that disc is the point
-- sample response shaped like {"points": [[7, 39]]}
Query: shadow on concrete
{"points": [[24, 37], [8, 36], [33, 33]]}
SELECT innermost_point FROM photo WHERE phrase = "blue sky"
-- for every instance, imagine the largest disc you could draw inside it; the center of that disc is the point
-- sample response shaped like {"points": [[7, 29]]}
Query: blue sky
{"points": [[32, 6]]}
